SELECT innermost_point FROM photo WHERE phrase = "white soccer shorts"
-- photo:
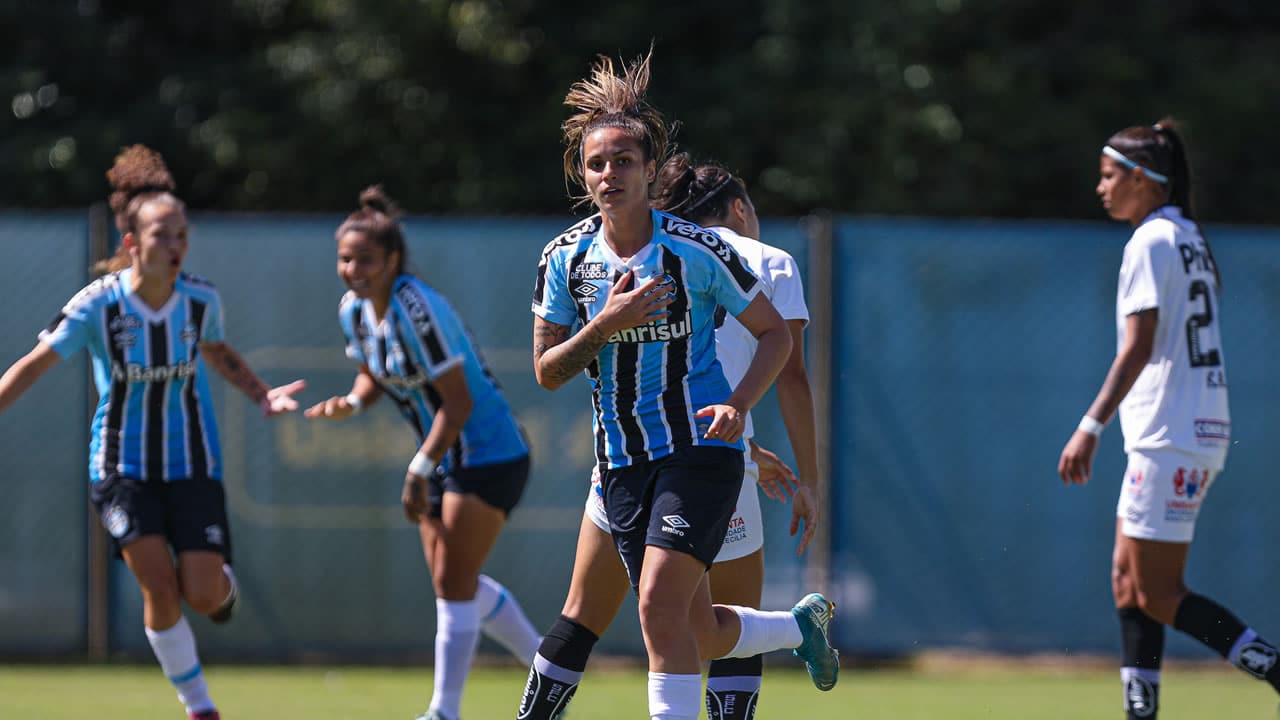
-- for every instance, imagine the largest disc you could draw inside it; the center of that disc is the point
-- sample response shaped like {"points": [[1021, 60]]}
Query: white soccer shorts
{"points": [[1161, 494]]}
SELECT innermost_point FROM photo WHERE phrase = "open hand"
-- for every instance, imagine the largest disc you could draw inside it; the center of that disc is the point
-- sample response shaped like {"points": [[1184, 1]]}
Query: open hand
{"points": [[280, 399]]}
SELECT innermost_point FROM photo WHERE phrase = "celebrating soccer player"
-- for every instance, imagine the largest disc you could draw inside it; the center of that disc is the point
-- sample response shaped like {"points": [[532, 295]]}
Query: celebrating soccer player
{"points": [[155, 465], [472, 461], [643, 288]]}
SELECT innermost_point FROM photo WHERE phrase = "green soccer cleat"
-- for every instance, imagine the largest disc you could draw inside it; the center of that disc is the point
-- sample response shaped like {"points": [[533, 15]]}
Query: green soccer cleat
{"points": [[432, 715], [814, 614]]}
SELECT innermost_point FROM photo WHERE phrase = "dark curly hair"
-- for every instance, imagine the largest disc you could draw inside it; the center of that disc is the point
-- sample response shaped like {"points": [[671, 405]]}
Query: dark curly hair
{"points": [[700, 194], [378, 218], [138, 177]]}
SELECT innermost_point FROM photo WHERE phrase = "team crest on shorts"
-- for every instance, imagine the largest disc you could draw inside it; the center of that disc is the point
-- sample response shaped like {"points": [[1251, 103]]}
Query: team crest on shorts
{"points": [[116, 520]]}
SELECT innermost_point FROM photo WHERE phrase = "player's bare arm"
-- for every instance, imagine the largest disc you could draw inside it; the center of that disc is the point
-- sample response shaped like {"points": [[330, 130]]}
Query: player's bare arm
{"points": [[364, 392], [558, 356], [795, 401], [1139, 334], [773, 346], [223, 358], [23, 374], [1139, 337], [451, 415]]}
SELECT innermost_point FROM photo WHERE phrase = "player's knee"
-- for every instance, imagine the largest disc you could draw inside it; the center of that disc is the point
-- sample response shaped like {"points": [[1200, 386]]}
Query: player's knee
{"points": [[1160, 600], [453, 587], [593, 617], [160, 590], [662, 619], [203, 597], [1122, 586]]}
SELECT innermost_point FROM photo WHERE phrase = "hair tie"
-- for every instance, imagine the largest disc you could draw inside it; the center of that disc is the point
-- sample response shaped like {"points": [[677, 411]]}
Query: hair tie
{"points": [[710, 193]]}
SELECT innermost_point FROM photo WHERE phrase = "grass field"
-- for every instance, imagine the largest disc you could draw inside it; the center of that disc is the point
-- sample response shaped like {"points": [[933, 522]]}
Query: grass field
{"points": [[330, 693]]}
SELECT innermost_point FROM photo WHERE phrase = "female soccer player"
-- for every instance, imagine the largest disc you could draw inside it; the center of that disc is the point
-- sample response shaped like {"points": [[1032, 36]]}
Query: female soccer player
{"points": [[155, 465], [472, 461], [1169, 383], [644, 287], [711, 196]]}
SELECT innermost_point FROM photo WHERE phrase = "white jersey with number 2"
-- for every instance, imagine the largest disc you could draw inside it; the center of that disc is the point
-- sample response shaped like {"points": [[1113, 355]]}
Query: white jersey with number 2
{"points": [[1179, 401]]}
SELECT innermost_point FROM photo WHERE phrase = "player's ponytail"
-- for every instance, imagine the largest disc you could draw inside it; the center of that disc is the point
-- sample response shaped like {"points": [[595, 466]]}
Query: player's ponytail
{"points": [[1159, 148], [700, 194], [1180, 182], [608, 100], [379, 219], [137, 177]]}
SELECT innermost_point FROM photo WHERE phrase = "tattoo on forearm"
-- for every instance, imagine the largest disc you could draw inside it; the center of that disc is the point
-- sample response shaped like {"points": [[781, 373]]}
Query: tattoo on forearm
{"points": [[231, 366], [568, 358], [546, 336]]}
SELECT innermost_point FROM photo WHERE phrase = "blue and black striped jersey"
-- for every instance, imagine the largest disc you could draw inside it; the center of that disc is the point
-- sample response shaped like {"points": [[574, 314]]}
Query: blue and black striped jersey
{"points": [[648, 382], [154, 419], [419, 338]]}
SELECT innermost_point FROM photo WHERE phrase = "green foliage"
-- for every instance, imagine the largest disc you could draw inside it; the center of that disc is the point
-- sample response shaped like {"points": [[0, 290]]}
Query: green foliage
{"points": [[929, 107]]}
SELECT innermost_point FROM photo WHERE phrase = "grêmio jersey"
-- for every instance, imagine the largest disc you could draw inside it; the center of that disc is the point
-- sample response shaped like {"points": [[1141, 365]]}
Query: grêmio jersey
{"points": [[648, 381], [419, 338], [154, 419], [1179, 401]]}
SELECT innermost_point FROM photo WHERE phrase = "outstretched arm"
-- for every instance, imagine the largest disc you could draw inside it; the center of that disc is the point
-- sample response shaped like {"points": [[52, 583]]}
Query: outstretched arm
{"points": [[364, 392], [231, 366], [23, 374]]}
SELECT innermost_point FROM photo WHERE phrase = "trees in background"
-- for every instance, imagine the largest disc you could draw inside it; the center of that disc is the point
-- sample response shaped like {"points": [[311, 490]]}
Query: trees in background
{"points": [[926, 107]]}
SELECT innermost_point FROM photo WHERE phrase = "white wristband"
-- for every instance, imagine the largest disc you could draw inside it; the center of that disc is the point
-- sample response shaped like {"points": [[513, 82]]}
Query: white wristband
{"points": [[1090, 426], [422, 465], [354, 402]]}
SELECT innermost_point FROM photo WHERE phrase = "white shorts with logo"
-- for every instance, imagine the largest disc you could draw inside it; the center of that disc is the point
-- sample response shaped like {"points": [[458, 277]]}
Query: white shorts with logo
{"points": [[1162, 492], [746, 527]]}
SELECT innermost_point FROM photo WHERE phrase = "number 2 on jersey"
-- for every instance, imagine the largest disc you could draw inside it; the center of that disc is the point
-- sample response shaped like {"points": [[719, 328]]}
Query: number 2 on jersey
{"points": [[1198, 357]]}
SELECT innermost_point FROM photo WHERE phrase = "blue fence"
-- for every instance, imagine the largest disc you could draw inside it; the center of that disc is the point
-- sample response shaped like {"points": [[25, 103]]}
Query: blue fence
{"points": [[964, 352]]}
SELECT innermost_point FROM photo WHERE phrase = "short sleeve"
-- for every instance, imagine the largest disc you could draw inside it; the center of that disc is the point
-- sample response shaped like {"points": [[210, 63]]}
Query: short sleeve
{"points": [[1146, 265], [788, 288], [213, 330], [551, 299], [69, 332], [349, 319], [732, 283], [428, 329]]}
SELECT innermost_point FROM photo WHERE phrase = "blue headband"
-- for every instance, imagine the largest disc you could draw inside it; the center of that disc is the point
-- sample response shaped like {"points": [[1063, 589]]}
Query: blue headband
{"points": [[1119, 157]]}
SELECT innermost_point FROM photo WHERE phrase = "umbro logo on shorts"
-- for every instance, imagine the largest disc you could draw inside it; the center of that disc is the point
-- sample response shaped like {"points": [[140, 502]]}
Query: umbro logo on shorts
{"points": [[213, 534], [674, 524]]}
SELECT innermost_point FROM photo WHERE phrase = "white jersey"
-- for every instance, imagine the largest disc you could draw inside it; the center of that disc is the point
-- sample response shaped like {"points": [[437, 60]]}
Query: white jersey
{"points": [[780, 282], [1179, 401]]}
